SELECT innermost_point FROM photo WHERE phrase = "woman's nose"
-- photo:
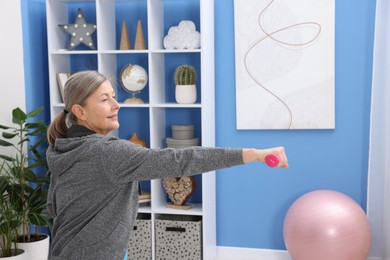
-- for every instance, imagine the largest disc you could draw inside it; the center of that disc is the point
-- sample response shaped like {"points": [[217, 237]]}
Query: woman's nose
{"points": [[115, 104]]}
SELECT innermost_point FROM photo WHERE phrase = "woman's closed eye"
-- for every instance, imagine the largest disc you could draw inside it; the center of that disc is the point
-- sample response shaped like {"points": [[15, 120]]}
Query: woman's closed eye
{"points": [[106, 98]]}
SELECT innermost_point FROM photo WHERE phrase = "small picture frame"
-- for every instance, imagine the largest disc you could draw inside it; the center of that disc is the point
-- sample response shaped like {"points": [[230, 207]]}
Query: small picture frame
{"points": [[62, 78]]}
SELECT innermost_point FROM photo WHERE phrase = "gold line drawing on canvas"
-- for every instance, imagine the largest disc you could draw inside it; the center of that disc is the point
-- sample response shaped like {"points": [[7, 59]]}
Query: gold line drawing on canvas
{"points": [[295, 34]]}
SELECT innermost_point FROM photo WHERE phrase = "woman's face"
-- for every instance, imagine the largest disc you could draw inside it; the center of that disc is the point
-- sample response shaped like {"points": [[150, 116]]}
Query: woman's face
{"points": [[100, 113]]}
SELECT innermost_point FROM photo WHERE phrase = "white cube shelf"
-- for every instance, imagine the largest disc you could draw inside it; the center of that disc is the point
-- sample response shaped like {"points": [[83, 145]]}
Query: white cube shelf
{"points": [[153, 119]]}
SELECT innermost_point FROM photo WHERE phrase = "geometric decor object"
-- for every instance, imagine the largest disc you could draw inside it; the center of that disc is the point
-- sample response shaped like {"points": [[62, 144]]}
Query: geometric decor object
{"points": [[125, 42], [139, 38], [80, 32], [285, 64]]}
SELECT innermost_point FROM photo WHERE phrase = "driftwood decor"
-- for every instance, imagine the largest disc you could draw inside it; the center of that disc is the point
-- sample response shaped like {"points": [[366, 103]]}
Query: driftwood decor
{"points": [[179, 190]]}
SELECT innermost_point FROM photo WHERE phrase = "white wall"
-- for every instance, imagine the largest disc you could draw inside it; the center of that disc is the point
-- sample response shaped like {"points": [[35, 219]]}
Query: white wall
{"points": [[379, 165], [11, 60]]}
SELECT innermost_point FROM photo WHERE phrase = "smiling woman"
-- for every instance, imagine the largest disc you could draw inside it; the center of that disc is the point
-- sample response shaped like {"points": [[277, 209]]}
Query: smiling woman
{"points": [[100, 112], [93, 194]]}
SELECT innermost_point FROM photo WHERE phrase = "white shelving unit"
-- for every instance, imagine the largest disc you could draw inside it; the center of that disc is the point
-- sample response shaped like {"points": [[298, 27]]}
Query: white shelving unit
{"points": [[157, 17]]}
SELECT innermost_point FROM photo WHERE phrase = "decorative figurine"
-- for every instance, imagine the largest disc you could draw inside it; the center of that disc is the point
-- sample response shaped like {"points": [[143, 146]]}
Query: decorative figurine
{"points": [[80, 32]]}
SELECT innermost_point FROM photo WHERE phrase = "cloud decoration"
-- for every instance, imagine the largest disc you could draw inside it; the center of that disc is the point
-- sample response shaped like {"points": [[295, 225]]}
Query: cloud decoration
{"points": [[183, 36]]}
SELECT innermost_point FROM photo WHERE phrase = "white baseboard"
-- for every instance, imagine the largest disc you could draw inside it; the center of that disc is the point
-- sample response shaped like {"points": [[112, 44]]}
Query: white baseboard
{"points": [[241, 253]]}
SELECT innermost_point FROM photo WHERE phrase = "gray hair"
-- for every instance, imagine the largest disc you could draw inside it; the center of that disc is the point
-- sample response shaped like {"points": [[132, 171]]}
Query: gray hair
{"points": [[78, 88]]}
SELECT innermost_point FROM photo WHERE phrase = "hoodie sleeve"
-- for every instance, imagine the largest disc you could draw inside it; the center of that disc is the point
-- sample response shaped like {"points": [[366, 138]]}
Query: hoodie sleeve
{"points": [[126, 162]]}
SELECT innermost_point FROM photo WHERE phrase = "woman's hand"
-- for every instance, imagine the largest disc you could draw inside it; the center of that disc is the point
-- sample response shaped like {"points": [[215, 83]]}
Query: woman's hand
{"points": [[252, 155]]}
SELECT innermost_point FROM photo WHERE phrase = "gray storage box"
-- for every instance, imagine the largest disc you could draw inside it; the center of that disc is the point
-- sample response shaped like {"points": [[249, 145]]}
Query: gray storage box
{"points": [[140, 243], [178, 239], [177, 143], [182, 132]]}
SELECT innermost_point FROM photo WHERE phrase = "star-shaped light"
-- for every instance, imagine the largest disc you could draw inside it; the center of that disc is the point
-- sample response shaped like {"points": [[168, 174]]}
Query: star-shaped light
{"points": [[80, 32]]}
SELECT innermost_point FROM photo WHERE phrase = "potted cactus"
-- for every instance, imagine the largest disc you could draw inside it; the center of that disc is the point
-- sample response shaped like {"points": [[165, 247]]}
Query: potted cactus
{"points": [[185, 80]]}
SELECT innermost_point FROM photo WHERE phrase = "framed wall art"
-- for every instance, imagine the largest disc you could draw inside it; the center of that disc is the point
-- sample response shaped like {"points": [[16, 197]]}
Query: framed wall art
{"points": [[284, 58]]}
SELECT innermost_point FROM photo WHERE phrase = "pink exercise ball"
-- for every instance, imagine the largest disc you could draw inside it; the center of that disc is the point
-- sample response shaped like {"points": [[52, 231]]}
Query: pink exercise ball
{"points": [[326, 225]]}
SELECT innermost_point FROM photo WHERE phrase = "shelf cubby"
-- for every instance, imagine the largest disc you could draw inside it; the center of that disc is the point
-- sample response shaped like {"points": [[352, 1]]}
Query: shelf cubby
{"points": [[134, 120], [152, 120]]}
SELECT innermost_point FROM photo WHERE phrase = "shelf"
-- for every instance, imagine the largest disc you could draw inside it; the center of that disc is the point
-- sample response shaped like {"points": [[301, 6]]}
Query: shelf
{"points": [[152, 120], [175, 105], [73, 1], [161, 105], [124, 52], [122, 105], [145, 209], [177, 51], [196, 210], [76, 52], [58, 105]]}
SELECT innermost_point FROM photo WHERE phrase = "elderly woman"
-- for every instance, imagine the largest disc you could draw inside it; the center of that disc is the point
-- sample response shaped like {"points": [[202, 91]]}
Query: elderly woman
{"points": [[93, 195]]}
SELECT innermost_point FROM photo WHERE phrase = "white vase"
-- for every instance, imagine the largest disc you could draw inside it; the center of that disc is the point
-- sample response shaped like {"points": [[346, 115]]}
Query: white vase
{"points": [[22, 256], [185, 94], [37, 250]]}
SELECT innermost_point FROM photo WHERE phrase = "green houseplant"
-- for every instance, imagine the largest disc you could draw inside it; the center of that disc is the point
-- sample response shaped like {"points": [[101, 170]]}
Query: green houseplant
{"points": [[185, 80], [10, 218], [25, 144]]}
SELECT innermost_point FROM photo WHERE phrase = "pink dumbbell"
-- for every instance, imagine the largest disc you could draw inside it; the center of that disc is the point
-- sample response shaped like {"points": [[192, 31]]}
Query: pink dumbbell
{"points": [[272, 160]]}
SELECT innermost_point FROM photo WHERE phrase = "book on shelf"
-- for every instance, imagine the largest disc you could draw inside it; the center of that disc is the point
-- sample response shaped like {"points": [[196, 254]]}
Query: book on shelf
{"points": [[62, 78], [144, 199]]}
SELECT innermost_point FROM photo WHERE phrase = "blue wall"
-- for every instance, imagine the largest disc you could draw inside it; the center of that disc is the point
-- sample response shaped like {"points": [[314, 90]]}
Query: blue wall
{"points": [[35, 55], [252, 200]]}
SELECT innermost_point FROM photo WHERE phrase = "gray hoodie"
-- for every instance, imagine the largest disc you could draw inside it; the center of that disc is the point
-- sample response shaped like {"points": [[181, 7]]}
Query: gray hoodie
{"points": [[93, 194]]}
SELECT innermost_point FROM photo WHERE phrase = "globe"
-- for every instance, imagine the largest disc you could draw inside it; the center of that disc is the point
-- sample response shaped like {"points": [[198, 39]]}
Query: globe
{"points": [[133, 79]]}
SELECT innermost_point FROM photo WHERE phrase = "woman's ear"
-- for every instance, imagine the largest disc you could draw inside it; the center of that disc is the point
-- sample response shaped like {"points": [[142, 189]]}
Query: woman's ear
{"points": [[78, 111]]}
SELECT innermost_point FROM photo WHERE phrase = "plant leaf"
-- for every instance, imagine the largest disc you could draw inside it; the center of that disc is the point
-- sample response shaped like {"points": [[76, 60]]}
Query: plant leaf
{"points": [[5, 143], [9, 135], [38, 143], [37, 219], [42, 180], [4, 181], [34, 125], [36, 132], [29, 175], [4, 127], [35, 112], [5, 157], [18, 116]]}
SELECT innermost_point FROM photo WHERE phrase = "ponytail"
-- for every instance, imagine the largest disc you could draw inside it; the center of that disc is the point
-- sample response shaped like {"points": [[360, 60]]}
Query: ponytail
{"points": [[57, 128]]}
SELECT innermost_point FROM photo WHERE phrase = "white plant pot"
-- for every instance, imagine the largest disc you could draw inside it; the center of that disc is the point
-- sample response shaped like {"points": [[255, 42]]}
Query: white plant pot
{"points": [[23, 256], [185, 94], [37, 250]]}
